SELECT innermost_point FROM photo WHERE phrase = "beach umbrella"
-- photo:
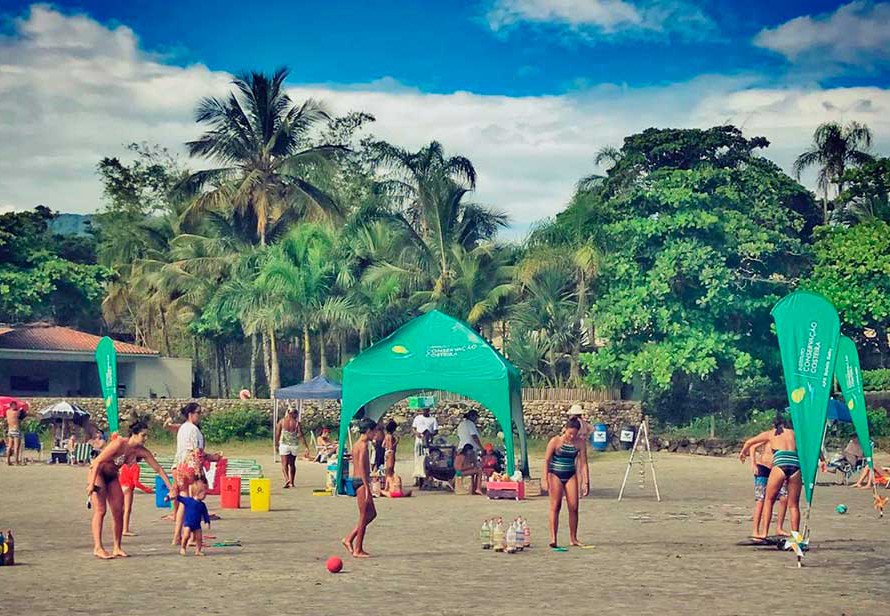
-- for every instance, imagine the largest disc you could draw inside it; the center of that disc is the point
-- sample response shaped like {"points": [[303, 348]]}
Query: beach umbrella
{"points": [[66, 411], [5, 401]]}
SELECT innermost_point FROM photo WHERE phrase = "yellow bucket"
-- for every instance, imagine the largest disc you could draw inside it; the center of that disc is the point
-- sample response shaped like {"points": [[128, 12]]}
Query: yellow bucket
{"points": [[260, 494]]}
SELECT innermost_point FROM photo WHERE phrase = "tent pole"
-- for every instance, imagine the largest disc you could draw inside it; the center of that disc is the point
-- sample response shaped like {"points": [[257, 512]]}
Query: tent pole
{"points": [[274, 427]]}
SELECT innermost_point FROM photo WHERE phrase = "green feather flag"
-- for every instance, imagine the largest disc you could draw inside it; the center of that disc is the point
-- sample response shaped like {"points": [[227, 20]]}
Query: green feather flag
{"points": [[106, 360], [808, 328], [849, 377]]}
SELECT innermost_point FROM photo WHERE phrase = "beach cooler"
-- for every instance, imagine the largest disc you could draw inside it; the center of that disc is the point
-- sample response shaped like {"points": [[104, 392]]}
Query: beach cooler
{"points": [[511, 490], [260, 494], [161, 493], [230, 493]]}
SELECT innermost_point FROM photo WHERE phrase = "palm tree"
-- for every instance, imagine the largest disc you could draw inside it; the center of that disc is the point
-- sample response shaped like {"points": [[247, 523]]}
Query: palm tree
{"points": [[437, 223], [834, 149], [260, 139]]}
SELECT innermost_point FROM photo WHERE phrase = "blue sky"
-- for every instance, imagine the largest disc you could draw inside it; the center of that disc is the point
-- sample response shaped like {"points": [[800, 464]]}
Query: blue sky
{"points": [[447, 46], [528, 89]]}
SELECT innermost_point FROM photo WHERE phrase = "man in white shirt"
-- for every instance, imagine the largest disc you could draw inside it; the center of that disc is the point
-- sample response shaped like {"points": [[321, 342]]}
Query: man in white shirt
{"points": [[424, 427], [468, 434]]}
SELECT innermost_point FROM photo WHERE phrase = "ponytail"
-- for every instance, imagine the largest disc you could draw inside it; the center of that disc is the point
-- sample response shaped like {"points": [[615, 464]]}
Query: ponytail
{"points": [[779, 423]]}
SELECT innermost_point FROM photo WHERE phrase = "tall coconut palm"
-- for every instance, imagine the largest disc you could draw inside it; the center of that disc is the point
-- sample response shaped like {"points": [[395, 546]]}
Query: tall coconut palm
{"points": [[834, 149], [261, 140]]}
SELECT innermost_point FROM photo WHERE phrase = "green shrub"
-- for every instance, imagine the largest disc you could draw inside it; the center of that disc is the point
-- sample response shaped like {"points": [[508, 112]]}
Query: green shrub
{"points": [[878, 423], [876, 380], [725, 428], [240, 423]]}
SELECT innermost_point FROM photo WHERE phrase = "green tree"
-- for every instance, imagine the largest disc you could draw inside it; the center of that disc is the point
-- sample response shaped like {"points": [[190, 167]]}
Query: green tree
{"points": [[37, 282], [866, 195], [834, 149], [261, 140], [695, 254], [852, 269]]}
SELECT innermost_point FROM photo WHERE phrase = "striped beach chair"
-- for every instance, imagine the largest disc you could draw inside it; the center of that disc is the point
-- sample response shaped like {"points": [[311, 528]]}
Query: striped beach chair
{"points": [[82, 454]]}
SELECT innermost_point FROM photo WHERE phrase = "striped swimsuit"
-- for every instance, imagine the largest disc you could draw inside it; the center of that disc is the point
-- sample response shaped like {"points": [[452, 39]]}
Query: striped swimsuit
{"points": [[787, 461], [562, 464]]}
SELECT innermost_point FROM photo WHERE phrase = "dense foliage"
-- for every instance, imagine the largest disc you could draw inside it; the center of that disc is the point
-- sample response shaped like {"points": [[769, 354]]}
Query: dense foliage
{"points": [[305, 239], [44, 276]]}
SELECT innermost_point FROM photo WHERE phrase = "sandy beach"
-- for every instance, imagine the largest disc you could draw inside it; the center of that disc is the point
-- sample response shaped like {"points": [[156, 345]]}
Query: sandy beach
{"points": [[677, 556]]}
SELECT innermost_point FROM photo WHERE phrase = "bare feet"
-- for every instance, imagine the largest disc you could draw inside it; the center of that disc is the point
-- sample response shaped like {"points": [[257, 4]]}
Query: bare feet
{"points": [[102, 553], [781, 532], [576, 543], [361, 554], [347, 544], [175, 542], [118, 552], [182, 551], [169, 516], [200, 553], [478, 493], [129, 533], [553, 544]]}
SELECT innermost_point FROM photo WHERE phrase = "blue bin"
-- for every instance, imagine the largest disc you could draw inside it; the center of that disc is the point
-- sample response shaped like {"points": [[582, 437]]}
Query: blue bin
{"points": [[161, 493], [599, 438]]}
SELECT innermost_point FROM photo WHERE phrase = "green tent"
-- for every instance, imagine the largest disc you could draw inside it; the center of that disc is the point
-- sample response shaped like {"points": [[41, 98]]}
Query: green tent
{"points": [[433, 352]]}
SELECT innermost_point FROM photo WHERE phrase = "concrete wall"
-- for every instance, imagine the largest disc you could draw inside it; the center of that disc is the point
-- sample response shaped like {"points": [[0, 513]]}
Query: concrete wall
{"points": [[542, 417], [162, 377], [73, 374]]}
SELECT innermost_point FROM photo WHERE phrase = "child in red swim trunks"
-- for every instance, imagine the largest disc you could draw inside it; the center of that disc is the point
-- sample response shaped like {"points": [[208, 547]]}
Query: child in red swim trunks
{"points": [[129, 480]]}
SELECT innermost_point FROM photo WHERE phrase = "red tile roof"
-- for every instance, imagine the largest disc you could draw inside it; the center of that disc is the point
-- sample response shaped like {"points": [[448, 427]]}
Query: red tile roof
{"points": [[39, 337]]}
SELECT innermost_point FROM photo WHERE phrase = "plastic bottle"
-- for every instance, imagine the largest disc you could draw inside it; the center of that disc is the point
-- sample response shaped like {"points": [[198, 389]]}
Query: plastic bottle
{"points": [[498, 536], [526, 534], [2, 546], [485, 535], [520, 535], [9, 556], [511, 538]]}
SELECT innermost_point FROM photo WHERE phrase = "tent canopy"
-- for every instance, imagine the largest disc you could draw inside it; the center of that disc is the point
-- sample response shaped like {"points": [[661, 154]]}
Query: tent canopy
{"points": [[434, 352], [838, 411], [319, 388]]}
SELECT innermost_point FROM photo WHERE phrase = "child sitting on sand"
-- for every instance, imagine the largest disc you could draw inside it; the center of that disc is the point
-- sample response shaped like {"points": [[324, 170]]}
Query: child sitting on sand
{"points": [[393, 487], [195, 513]]}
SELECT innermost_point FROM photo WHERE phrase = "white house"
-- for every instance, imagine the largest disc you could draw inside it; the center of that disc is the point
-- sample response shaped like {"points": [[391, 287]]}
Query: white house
{"points": [[39, 360]]}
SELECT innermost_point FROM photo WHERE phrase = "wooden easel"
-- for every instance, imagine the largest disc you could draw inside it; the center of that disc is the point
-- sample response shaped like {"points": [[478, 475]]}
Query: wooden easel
{"points": [[641, 431]]}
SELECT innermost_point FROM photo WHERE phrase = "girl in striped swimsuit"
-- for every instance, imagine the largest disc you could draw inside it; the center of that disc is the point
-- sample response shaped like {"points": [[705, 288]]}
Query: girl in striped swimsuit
{"points": [[565, 460], [786, 466]]}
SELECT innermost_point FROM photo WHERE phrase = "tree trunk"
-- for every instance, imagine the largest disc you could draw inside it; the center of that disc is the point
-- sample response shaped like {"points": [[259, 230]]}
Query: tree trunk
{"points": [[267, 362], [322, 354], [216, 364], [164, 333], [341, 351], [298, 352], [253, 354], [224, 364], [574, 367], [275, 374], [307, 355]]}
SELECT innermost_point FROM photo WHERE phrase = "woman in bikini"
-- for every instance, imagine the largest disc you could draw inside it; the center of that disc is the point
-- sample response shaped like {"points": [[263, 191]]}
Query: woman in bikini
{"points": [[390, 443], [564, 461], [104, 488], [287, 442], [786, 467]]}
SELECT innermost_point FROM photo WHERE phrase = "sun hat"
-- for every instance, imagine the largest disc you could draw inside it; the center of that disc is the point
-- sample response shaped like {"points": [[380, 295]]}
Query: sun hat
{"points": [[576, 410]]}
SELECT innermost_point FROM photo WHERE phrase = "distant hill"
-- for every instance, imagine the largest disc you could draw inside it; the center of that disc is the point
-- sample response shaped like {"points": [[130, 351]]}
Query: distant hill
{"points": [[71, 224]]}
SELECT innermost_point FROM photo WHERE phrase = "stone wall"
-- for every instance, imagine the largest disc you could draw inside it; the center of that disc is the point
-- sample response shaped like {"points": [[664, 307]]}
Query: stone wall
{"points": [[542, 417]]}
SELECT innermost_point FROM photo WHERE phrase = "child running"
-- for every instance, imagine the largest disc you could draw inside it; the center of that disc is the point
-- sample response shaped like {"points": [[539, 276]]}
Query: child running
{"points": [[195, 513], [361, 483]]}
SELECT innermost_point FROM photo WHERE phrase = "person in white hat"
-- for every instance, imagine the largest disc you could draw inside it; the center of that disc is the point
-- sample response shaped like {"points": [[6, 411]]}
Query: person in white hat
{"points": [[586, 429]]}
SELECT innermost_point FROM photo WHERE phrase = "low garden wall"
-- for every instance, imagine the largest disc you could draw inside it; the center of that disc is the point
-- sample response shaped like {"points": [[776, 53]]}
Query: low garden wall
{"points": [[542, 417]]}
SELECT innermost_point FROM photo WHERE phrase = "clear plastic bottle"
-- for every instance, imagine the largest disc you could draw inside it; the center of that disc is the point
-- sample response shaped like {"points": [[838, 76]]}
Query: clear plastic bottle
{"points": [[498, 536], [520, 535], [485, 535], [526, 534], [511, 538]]}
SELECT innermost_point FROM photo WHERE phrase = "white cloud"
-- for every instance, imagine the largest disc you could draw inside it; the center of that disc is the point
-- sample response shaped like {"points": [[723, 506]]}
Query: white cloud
{"points": [[856, 34], [592, 19], [73, 90]]}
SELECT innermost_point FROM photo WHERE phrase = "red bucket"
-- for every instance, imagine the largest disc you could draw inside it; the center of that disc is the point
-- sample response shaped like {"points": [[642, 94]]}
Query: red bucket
{"points": [[230, 495]]}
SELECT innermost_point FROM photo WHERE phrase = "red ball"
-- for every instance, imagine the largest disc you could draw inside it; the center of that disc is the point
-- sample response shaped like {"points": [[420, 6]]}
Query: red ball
{"points": [[334, 564]]}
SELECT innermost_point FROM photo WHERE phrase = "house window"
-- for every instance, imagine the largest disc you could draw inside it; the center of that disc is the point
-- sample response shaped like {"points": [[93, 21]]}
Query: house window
{"points": [[28, 383]]}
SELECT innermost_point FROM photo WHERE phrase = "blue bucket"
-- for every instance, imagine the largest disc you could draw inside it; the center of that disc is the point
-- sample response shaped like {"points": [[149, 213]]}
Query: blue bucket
{"points": [[161, 493], [599, 438]]}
